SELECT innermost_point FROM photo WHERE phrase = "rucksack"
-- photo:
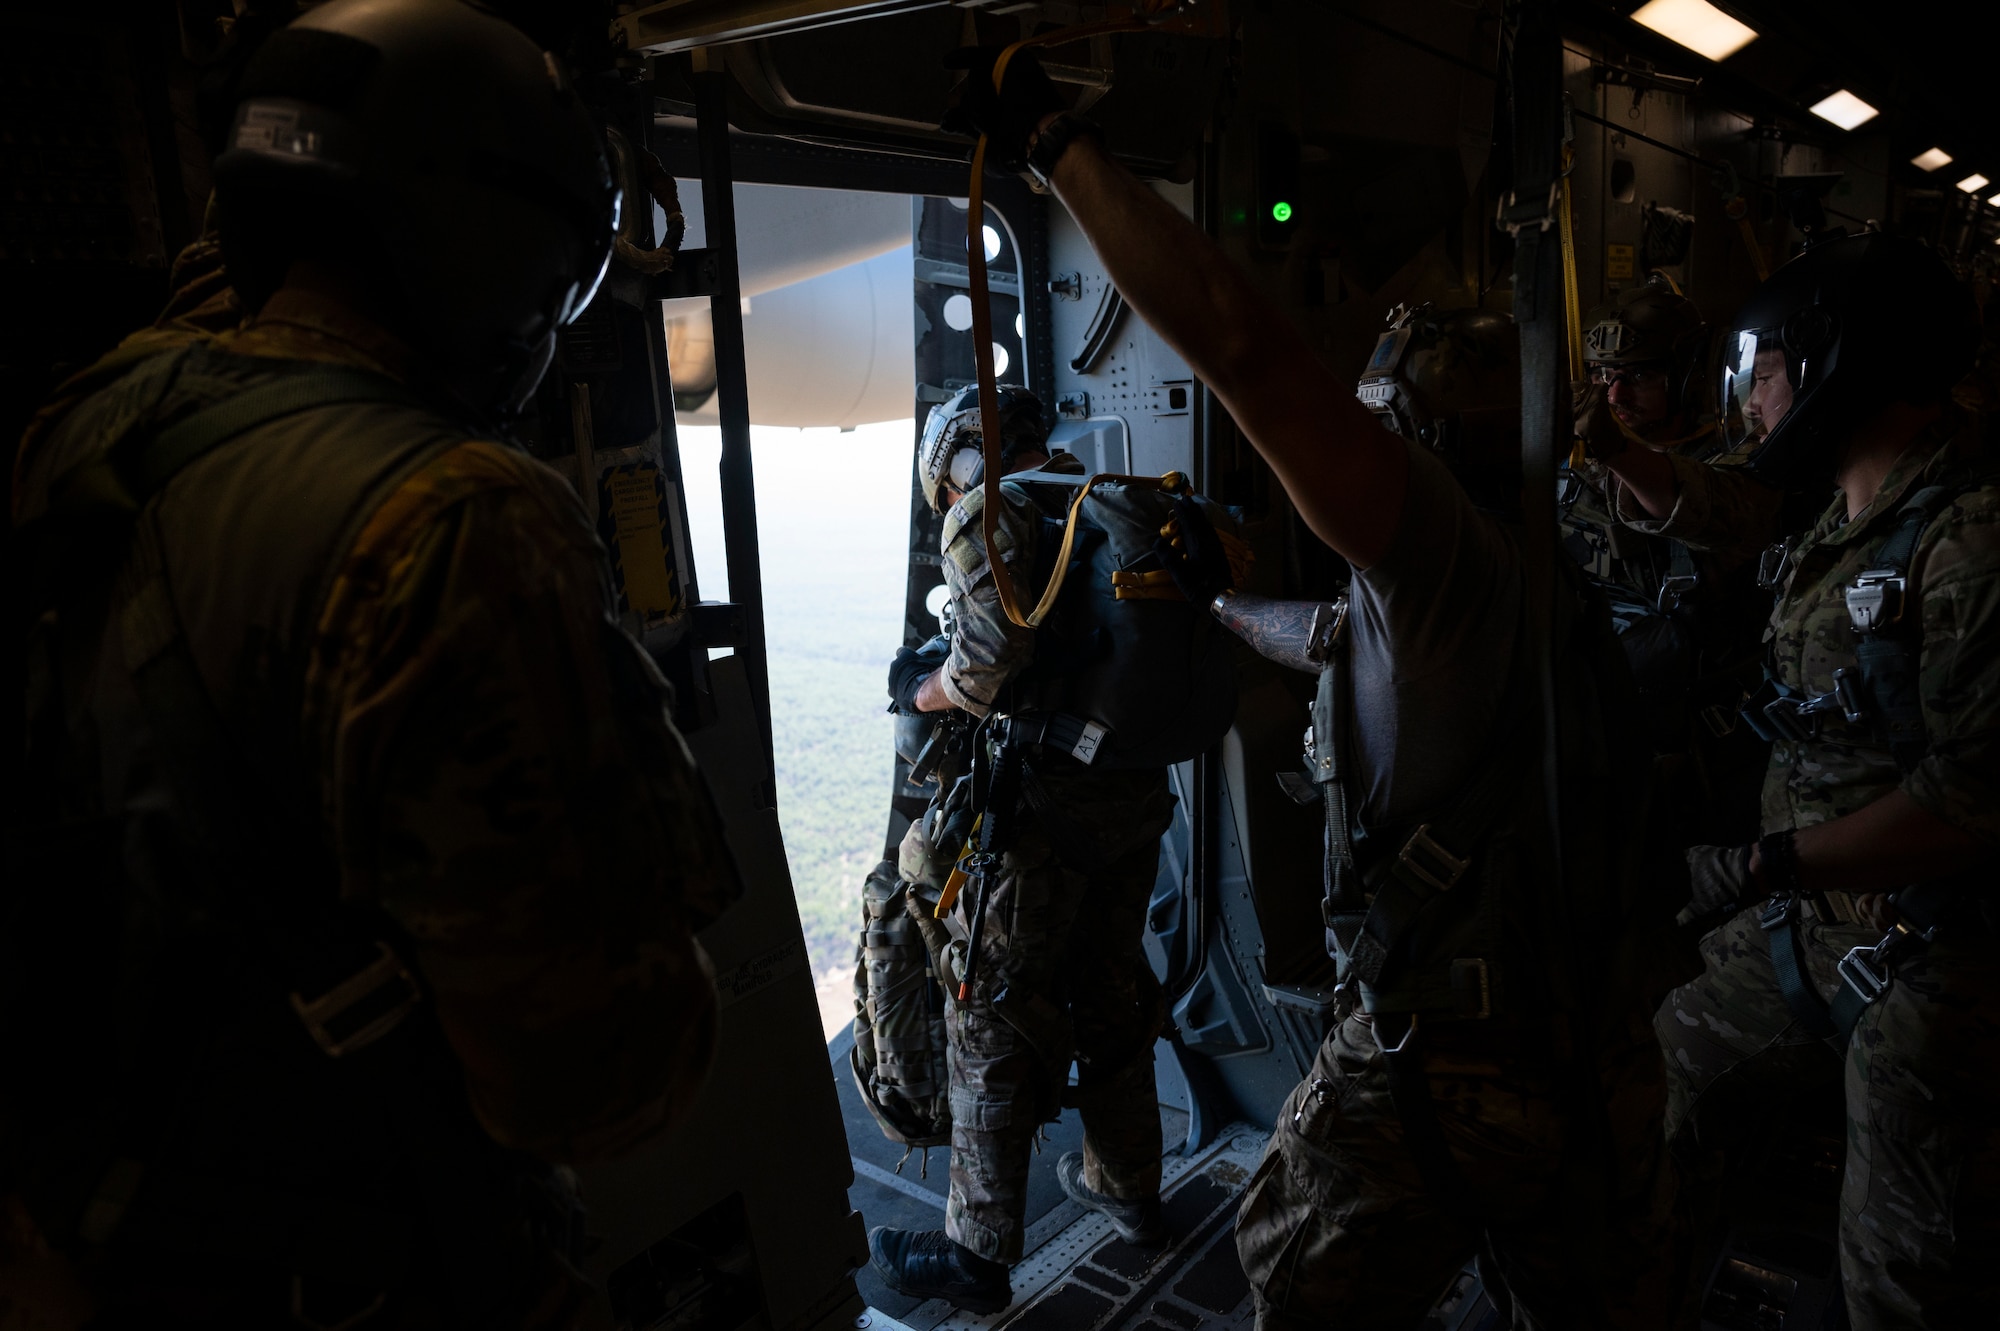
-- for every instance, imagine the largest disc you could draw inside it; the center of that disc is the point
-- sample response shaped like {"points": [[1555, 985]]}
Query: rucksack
{"points": [[898, 1060], [1141, 677], [152, 1104]]}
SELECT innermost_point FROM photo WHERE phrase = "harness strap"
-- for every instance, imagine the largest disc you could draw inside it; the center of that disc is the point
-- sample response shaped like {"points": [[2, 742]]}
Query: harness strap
{"points": [[132, 473], [1780, 922], [1866, 972], [1889, 650], [1683, 576], [349, 990], [1370, 933], [1461, 988], [1430, 862], [1077, 736], [1343, 903]]}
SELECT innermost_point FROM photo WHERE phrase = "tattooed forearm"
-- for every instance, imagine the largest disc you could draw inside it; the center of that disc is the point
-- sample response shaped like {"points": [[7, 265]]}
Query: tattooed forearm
{"points": [[1292, 633]]}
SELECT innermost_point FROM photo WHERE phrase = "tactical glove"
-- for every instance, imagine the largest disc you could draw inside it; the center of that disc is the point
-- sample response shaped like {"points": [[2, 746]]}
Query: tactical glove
{"points": [[1719, 881], [1595, 424], [911, 668], [1193, 553], [1008, 118]]}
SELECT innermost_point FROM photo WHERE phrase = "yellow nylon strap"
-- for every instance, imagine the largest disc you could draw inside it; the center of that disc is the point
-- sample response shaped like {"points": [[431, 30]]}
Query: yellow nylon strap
{"points": [[982, 320], [1173, 480], [955, 881], [1572, 302], [1756, 250], [1158, 585]]}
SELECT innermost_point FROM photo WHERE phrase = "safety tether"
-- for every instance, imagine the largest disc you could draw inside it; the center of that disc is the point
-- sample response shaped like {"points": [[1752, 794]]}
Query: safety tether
{"points": [[1572, 301], [1147, 14]]}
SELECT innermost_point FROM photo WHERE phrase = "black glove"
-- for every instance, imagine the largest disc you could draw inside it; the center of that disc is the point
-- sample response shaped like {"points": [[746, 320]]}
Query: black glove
{"points": [[1719, 882], [1595, 424], [911, 668], [1193, 553], [1008, 118]]}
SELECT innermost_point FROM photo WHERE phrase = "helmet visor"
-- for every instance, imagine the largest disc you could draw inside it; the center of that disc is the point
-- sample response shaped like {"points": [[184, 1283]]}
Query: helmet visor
{"points": [[1758, 382]]}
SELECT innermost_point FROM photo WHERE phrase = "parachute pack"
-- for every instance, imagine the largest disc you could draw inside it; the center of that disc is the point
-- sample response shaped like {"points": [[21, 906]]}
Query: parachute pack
{"points": [[1131, 670]]}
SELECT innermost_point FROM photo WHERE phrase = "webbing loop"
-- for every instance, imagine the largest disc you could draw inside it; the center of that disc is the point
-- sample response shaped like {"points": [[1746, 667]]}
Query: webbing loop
{"points": [[1572, 301]]}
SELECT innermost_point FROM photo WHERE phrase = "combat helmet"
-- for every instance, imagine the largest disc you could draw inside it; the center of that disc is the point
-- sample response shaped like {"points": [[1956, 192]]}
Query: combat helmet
{"points": [[1852, 324], [1451, 381], [437, 150], [949, 453], [1653, 324]]}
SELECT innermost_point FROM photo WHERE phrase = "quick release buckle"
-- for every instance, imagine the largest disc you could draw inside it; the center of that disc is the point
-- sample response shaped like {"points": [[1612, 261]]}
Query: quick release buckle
{"points": [[1860, 971], [1869, 969], [1409, 1034], [1431, 862], [362, 1008], [1847, 692], [1673, 589], [1569, 488], [1778, 912], [1774, 563], [1796, 717], [1875, 600]]}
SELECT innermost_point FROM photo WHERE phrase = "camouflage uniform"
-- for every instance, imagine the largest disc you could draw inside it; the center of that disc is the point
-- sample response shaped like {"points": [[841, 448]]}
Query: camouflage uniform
{"points": [[469, 741], [1921, 1194], [1062, 972], [1339, 1228]]}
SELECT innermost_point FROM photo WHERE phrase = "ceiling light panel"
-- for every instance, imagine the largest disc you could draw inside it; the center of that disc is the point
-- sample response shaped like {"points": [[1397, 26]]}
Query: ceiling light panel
{"points": [[1844, 109], [1931, 159], [1974, 183], [1697, 25]]}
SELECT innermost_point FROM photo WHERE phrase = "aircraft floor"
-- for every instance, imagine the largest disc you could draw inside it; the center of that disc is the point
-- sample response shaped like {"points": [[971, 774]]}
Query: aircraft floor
{"points": [[1077, 1275]]}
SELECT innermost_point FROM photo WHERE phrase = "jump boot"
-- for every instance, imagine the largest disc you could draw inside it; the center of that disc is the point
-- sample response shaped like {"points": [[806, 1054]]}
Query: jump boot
{"points": [[926, 1264], [1137, 1222]]}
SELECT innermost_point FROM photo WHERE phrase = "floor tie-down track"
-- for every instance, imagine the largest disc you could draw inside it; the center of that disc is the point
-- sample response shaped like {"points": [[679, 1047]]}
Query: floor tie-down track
{"points": [[1077, 1274]]}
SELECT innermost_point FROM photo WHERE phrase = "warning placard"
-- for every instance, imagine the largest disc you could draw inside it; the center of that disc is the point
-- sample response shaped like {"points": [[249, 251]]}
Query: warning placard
{"points": [[635, 498]]}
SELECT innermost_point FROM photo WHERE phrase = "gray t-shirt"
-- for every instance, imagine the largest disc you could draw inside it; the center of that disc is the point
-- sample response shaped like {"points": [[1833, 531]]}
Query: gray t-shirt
{"points": [[1433, 627]]}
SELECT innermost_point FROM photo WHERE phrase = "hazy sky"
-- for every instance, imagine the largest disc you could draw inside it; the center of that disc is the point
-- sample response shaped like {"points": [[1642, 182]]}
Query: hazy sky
{"points": [[833, 521], [833, 516]]}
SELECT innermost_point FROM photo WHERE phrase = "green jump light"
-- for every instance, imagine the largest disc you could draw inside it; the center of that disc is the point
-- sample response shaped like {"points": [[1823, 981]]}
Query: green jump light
{"points": [[1281, 211]]}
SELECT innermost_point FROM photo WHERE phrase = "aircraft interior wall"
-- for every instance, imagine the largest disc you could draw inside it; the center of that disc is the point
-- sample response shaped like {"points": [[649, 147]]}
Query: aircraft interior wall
{"points": [[1351, 158]]}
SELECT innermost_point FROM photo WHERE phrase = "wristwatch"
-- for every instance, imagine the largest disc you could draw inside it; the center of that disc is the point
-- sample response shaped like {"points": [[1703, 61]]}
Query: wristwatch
{"points": [[1054, 141]]}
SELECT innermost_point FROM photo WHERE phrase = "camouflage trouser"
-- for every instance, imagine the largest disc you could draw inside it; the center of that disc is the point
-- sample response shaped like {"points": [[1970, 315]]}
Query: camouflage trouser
{"points": [[1920, 1198], [1338, 1230], [1061, 974]]}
